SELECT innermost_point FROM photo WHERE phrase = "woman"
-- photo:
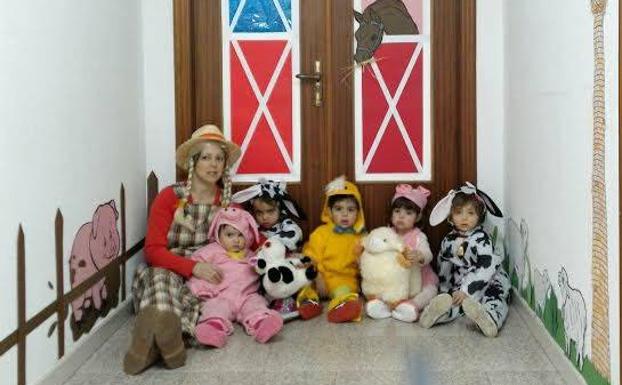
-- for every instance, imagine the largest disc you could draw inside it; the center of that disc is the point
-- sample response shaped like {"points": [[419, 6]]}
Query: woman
{"points": [[178, 223]]}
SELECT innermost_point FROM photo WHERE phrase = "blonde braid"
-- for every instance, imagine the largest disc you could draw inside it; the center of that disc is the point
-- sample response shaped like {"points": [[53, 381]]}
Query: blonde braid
{"points": [[180, 216], [226, 193]]}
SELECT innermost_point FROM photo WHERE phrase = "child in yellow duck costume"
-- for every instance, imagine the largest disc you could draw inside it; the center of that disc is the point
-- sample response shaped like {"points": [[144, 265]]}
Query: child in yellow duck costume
{"points": [[334, 248]]}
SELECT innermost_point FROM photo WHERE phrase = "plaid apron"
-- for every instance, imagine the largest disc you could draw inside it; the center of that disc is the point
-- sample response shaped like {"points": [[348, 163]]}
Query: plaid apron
{"points": [[165, 289]]}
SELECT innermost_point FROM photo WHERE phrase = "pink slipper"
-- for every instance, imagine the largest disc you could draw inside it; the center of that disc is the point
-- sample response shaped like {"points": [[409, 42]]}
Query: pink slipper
{"points": [[211, 334], [268, 328]]}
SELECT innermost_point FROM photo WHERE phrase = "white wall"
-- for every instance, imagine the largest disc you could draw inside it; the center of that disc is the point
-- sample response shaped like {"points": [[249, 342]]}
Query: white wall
{"points": [[549, 64], [490, 89], [71, 129], [159, 91]]}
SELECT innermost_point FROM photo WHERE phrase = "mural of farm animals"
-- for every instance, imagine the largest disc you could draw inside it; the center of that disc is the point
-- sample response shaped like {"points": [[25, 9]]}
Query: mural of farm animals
{"points": [[383, 16], [561, 307], [95, 245], [575, 315]]}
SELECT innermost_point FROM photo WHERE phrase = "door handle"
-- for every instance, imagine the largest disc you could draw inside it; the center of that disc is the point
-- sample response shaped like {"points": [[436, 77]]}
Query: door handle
{"points": [[316, 77]]}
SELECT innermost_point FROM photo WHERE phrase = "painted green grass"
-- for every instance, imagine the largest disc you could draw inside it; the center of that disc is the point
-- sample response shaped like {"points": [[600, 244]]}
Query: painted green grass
{"points": [[553, 321]]}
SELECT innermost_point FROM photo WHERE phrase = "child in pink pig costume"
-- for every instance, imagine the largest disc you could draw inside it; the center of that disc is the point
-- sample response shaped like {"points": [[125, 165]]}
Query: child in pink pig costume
{"points": [[407, 207], [233, 232]]}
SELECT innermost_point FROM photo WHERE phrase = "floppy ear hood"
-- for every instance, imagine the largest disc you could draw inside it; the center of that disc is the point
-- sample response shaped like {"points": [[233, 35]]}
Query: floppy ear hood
{"points": [[246, 194], [441, 210], [491, 207], [294, 208]]}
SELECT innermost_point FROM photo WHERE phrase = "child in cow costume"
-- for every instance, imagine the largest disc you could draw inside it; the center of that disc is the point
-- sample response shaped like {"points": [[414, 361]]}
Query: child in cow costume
{"points": [[274, 210], [235, 297], [472, 280]]}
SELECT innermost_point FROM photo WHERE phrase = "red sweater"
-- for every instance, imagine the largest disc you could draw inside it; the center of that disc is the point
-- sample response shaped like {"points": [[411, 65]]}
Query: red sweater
{"points": [[158, 226]]}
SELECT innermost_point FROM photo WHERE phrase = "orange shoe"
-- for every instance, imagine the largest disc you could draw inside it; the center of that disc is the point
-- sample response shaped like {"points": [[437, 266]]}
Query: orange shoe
{"points": [[346, 311], [309, 309]]}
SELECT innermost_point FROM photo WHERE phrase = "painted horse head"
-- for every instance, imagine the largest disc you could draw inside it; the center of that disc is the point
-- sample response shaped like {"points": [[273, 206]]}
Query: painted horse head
{"points": [[368, 35], [383, 16]]}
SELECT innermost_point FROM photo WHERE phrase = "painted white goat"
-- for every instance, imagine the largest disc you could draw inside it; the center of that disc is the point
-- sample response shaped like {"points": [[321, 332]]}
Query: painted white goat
{"points": [[517, 242], [541, 287], [575, 315]]}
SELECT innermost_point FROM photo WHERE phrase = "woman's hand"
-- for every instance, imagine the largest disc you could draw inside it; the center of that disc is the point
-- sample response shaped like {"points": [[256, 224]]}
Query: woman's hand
{"points": [[208, 272], [458, 297]]}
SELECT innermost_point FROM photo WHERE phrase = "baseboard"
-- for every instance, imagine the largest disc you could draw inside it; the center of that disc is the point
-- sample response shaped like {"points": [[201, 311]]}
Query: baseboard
{"points": [[68, 365], [569, 373]]}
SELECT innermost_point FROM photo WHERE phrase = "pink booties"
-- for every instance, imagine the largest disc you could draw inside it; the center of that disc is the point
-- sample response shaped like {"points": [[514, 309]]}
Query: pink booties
{"points": [[211, 333], [268, 327]]}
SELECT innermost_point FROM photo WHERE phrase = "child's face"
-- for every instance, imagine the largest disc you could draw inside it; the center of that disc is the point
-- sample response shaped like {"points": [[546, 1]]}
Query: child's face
{"points": [[231, 239], [403, 219], [266, 215], [344, 212], [465, 217]]}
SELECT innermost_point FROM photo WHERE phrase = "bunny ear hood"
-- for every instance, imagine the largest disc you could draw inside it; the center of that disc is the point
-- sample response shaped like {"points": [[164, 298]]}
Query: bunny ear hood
{"points": [[240, 219], [340, 186], [274, 190], [441, 211]]}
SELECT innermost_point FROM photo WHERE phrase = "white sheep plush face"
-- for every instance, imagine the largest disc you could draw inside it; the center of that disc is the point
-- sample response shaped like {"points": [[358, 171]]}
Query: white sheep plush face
{"points": [[282, 277], [381, 240]]}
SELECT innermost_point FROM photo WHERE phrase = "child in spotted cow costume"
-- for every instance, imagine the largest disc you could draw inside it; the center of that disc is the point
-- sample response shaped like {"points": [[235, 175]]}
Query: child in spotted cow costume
{"points": [[274, 210], [472, 281]]}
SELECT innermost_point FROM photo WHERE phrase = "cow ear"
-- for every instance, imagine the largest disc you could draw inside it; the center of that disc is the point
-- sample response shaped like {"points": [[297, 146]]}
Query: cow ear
{"points": [[359, 17]]}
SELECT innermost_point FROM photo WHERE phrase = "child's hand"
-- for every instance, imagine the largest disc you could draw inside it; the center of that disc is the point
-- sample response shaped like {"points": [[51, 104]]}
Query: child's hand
{"points": [[208, 272], [404, 261], [458, 297], [415, 256]]}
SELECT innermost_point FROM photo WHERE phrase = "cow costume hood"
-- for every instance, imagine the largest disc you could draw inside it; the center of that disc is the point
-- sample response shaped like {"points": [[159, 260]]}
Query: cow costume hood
{"points": [[274, 190], [441, 211]]}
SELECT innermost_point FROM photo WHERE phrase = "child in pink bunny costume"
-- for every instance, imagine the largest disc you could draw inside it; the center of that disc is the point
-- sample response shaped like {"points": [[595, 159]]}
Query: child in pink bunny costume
{"points": [[406, 211], [234, 298]]}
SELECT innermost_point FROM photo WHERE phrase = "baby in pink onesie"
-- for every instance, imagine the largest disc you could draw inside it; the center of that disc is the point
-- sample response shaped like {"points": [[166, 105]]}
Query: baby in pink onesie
{"points": [[235, 298], [406, 211]]}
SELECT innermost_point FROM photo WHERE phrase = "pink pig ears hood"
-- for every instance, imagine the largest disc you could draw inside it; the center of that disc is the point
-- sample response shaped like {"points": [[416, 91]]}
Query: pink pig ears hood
{"points": [[418, 195], [240, 219]]}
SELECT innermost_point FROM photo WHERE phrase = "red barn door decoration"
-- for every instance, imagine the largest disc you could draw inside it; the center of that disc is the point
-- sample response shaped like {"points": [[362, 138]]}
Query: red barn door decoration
{"points": [[260, 95], [392, 102]]}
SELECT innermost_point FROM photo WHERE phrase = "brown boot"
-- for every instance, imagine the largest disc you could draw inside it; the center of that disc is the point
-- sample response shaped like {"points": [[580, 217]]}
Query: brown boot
{"points": [[143, 351], [169, 340]]}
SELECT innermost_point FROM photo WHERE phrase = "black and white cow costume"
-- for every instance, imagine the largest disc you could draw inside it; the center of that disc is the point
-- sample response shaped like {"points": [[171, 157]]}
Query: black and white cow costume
{"points": [[286, 230], [466, 262]]}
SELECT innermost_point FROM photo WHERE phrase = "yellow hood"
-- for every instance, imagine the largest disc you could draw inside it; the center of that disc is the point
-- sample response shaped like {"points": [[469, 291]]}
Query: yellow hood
{"points": [[340, 186]]}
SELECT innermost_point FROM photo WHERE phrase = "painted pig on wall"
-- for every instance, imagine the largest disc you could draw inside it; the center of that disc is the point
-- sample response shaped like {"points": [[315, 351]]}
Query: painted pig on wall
{"points": [[95, 245]]}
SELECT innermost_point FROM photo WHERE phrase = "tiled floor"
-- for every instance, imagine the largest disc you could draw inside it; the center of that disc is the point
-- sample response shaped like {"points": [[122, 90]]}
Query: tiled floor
{"points": [[371, 352]]}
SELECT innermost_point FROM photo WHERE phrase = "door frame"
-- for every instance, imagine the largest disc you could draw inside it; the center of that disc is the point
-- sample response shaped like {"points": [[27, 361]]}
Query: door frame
{"points": [[459, 117], [453, 93]]}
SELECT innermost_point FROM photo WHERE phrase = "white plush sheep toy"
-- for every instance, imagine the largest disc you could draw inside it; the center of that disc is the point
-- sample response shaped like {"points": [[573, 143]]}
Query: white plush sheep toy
{"points": [[384, 272]]}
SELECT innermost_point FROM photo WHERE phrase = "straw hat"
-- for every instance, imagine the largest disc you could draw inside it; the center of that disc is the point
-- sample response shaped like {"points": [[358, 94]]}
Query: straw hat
{"points": [[207, 133]]}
